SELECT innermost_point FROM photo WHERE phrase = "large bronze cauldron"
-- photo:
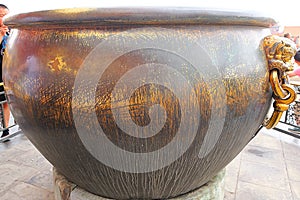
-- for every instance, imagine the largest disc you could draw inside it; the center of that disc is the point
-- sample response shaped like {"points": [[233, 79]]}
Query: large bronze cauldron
{"points": [[138, 103]]}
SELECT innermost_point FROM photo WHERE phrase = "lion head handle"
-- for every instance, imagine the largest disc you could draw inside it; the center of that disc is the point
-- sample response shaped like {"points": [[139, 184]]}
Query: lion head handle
{"points": [[279, 52]]}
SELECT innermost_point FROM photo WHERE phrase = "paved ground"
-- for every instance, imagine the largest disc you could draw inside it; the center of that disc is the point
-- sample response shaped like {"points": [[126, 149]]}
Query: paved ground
{"points": [[267, 169]]}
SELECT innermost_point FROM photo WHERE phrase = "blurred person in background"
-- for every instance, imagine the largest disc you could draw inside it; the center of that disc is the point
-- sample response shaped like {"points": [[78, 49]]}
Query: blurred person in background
{"points": [[297, 41], [288, 35], [295, 77], [4, 32]]}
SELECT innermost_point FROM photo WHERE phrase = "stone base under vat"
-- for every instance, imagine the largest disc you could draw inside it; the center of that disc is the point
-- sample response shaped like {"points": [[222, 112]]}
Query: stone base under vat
{"points": [[65, 190]]}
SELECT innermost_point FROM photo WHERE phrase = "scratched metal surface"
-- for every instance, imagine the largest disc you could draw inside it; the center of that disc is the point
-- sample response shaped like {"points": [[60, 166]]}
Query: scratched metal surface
{"points": [[137, 111]]}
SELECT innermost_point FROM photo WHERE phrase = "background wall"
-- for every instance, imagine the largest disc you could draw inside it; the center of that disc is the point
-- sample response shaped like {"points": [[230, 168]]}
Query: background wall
{"points": [[294, 30]]}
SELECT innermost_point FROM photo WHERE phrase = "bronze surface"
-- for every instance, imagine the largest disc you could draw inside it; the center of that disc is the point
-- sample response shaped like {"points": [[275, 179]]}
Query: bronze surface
{"points": [[218, 73]]}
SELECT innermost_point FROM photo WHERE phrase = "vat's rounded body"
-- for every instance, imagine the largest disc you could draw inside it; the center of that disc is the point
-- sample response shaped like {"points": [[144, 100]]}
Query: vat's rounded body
{"points": [[138, 103]]}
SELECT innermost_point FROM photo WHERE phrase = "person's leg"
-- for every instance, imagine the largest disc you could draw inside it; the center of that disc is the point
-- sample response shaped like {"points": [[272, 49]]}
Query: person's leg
{"points": [[6, 115], [6, 112]]}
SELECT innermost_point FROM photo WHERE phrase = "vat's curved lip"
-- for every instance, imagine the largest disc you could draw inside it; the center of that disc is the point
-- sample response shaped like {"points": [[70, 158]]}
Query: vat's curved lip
{"points": [[137, 16]]}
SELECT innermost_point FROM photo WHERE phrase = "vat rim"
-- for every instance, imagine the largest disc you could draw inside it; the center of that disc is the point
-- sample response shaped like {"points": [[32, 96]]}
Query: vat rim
{"points": [[140, 16]]}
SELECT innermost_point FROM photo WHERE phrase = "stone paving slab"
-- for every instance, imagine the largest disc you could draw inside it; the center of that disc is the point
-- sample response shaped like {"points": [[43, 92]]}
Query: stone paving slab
{"points": [[295, 187], [267, 140], [13, 172], [250, 191], [293, 169], [265, 155], [24, 191], [273, 176], [291, 152], [42, 180]]}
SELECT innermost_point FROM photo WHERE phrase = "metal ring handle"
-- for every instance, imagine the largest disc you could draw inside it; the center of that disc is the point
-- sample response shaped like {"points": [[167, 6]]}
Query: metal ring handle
{"points": [[290, 97], [275, 84]]}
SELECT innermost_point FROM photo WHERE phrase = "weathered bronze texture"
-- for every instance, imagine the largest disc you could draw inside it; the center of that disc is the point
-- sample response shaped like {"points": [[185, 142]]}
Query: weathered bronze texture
{"points": [[279, 53], [140, 103]]}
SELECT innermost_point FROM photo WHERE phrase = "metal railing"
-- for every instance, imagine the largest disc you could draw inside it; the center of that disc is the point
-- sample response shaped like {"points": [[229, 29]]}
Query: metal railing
{"points": [[290, 116]]}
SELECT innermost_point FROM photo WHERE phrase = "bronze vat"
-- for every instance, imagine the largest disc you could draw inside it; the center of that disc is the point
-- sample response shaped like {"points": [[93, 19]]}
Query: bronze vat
{"points": [[138, 103]]}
